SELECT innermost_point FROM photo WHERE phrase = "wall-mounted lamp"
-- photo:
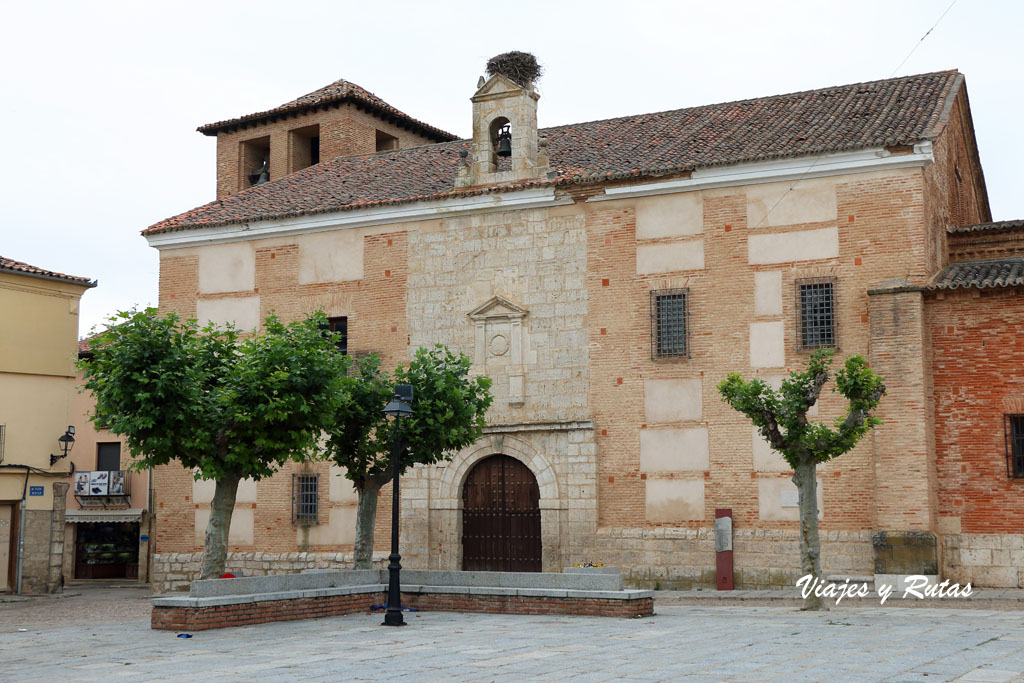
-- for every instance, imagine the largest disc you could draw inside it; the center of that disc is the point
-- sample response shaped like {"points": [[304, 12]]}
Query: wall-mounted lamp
{"points": [[66, 442]]}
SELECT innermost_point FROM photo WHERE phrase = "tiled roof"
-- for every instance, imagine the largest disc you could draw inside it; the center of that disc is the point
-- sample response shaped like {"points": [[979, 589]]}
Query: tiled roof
{"points": [[86, 346], [12, 266], [981, 274], [898, 111], [986, 227], [335, 93]]}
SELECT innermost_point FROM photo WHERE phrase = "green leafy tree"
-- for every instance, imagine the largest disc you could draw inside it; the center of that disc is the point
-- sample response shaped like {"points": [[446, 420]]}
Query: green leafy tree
{"points": [[449, 413], [226, 406], [781, 417]]}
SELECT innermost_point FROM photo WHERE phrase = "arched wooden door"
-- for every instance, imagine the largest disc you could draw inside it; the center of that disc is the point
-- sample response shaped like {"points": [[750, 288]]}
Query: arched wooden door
{"points": [[501, 517]]}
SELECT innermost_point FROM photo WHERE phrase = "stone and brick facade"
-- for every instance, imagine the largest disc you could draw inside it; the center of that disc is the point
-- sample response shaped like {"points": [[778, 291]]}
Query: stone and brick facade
{"points": [[547, 269]]}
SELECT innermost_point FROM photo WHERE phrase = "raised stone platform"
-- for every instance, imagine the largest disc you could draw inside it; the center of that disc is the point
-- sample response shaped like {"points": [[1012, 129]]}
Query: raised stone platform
{"points": [[218, 603]]}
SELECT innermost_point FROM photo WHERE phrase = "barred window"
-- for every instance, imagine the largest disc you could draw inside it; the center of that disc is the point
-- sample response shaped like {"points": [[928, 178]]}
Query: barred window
{"points": [[1015, 446], [304, 499], [670, 323], [815, 313]]}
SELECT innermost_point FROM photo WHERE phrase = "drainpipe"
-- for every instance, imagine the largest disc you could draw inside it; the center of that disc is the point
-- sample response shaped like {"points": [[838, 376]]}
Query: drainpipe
{"points": [[21, 532], [151, 544]]}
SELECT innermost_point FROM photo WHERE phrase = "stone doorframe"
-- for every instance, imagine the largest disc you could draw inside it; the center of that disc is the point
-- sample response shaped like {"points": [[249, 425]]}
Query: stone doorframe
{"points": [[446, 507]]}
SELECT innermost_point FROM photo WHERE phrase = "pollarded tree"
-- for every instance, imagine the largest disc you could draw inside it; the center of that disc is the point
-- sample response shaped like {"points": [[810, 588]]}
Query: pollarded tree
{"points": [[449, 414], [781, 417], [225, 406]]}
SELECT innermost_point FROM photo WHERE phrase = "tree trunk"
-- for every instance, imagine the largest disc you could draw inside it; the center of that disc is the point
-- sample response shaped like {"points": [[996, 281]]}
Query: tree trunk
{"points": [[366, 517], [215, 549], [810, 545]]}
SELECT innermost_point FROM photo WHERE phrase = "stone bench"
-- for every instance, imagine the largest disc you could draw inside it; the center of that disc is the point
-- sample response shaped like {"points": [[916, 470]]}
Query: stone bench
{"points": [[217, 603]]}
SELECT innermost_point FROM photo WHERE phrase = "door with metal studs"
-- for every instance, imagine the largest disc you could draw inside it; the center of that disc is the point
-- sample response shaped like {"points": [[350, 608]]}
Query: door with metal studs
{"points": [[501, 517]]}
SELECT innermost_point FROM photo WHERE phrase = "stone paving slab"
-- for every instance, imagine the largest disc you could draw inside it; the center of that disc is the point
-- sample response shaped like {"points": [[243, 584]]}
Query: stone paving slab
{"points": [[980, 598], [697, 643]]}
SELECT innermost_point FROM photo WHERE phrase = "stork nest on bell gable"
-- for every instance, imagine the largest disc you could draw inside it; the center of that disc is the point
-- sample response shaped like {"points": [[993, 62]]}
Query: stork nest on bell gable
{"points": [[521, 67]]}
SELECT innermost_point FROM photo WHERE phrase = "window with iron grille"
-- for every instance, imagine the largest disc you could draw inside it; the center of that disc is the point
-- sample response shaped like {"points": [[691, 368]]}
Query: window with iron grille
{"points": [[304, 499], [339, 326], [1015, 446], [670, 323], [815, 313]]}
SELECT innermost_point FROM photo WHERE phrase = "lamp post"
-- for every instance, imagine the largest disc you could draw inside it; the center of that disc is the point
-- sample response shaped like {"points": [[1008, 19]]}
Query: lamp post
{"points": [[398, 408]]}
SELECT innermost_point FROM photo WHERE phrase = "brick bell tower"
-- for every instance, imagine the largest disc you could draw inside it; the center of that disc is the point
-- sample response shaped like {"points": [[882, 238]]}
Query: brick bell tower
{"points": [[506, 147]]}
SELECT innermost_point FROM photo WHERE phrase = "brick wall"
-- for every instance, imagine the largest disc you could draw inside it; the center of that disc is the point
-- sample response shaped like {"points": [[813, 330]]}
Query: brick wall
{"points": [[200, 619], [954, 185], [978, 350], [874, 211], [375, 305]]}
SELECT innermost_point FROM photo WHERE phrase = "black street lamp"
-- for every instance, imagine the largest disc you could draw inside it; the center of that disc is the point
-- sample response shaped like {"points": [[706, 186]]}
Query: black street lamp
{"points": [[66, 442], [398, 408]]}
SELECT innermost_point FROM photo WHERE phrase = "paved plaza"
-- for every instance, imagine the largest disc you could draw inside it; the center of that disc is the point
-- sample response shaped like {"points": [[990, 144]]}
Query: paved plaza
{"points": [[104, 635]]}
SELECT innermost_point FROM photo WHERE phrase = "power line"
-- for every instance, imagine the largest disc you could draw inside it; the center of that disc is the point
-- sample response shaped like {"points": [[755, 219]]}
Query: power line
{"points": [[819, 158], [918, 44]]}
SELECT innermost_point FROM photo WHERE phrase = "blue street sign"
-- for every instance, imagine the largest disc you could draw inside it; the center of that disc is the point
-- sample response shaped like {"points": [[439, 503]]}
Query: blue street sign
{"points": [[35, 490]]}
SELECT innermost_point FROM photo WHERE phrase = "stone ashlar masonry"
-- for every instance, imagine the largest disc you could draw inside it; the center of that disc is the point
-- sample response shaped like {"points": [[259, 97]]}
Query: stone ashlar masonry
{"points": [[984, 559], [673, 558], [175, 572], [42, 564], [507, 289]]}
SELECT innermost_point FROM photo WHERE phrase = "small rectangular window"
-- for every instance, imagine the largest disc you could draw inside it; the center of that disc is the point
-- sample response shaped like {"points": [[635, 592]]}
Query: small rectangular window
{"points": [[108, 457], [1015, 446], [304, 498], [670, 324], [339, 326], [815, 313]]}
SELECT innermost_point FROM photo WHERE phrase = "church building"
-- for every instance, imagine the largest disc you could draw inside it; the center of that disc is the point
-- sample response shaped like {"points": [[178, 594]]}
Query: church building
{"points": [[607, 276]]}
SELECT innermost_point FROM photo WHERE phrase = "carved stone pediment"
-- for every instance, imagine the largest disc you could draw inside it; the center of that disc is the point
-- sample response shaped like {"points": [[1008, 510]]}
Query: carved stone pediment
{"points": [[498, 308], [498, 86], [499, 343]]}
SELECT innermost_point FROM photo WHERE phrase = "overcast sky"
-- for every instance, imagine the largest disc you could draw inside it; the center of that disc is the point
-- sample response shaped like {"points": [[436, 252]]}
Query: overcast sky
{"points": [[101, 99]]}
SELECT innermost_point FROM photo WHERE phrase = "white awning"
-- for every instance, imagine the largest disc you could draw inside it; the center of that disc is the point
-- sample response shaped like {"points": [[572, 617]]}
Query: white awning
{"points": [[119, 516]]}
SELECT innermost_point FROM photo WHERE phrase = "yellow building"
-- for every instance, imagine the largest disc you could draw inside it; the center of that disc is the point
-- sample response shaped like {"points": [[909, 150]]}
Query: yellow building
{"points": [[38, 348]]}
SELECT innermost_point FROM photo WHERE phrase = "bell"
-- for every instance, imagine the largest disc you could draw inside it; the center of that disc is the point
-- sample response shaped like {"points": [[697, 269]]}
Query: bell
{"points": [[504, 142], [260, 175]]}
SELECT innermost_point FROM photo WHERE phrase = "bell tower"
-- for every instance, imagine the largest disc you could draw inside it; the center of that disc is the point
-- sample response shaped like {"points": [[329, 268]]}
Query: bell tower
{"points": [[505, 145]]}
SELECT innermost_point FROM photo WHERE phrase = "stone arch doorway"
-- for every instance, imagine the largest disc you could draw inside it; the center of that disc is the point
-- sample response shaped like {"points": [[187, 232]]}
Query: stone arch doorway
{"points": [[501, 519]]}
